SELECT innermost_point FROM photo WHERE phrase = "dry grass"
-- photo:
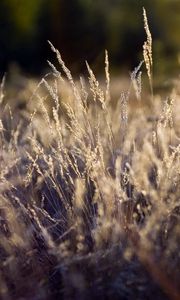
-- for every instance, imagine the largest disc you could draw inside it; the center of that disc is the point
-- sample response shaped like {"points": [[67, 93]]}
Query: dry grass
{"points": [[89, 191]]}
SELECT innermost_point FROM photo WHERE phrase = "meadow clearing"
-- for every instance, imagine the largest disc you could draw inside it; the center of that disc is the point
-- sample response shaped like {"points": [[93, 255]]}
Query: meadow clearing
{"points": [[90, 186]]}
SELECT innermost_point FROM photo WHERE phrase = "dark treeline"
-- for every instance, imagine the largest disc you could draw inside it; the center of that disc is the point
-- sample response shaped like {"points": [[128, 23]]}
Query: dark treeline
{"points": [[83, 29]]}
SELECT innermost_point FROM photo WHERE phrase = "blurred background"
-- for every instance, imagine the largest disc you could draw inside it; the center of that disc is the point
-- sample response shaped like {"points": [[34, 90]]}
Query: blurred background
{"points": [[83, 29]]}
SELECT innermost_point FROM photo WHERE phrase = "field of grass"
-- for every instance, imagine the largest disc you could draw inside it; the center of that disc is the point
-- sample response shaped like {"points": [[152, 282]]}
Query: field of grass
{"points": [[90, 187]]}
